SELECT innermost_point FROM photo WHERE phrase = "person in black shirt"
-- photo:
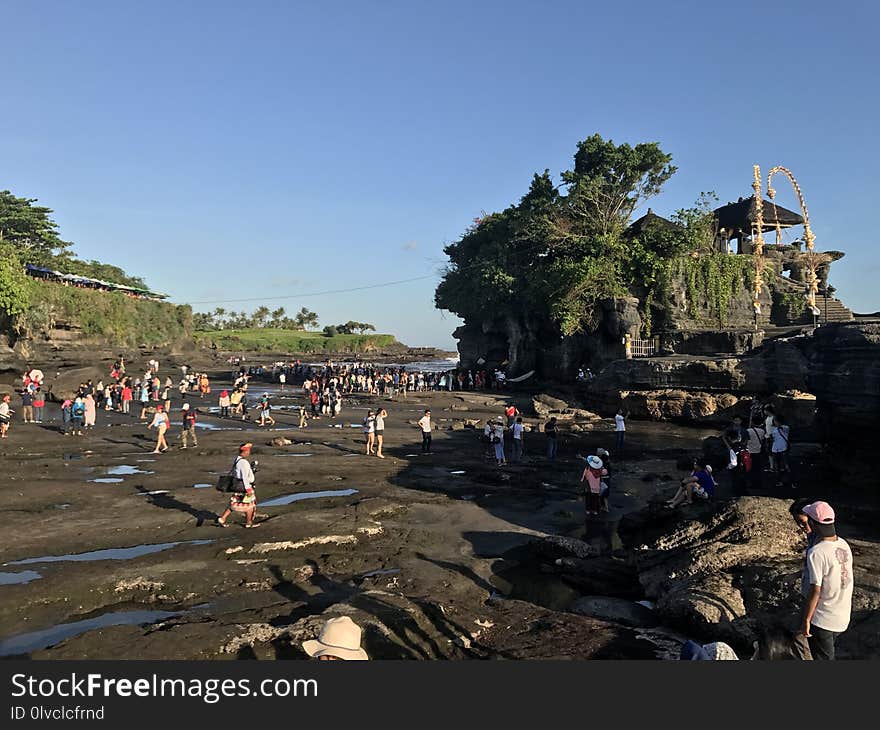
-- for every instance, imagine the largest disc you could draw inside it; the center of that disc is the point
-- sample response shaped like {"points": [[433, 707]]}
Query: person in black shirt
{"points": [[552, 432]]}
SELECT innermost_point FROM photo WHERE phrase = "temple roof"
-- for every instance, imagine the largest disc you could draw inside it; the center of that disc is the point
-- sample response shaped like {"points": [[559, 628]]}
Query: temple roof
{"points": [[649, 220], [741, 215]]}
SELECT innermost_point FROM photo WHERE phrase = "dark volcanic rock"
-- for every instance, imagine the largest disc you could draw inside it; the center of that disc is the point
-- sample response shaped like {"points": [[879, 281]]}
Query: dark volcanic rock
{"points": [[617, 610]]}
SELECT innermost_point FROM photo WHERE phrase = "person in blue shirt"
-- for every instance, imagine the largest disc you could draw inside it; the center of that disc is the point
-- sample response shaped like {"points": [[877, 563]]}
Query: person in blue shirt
{"points": [[699, 484]]}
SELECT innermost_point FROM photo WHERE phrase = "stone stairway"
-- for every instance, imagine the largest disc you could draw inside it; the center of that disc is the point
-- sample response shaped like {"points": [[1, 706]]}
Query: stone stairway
{"points": [[837, 310]]}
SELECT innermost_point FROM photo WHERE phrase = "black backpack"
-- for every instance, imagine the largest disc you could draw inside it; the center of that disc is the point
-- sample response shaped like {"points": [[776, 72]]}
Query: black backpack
{"points": [[229, 483]]}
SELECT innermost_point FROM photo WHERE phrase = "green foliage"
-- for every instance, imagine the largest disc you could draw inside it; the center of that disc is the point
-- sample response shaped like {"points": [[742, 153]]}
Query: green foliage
{"points": [[29, 228], [712, 280], [331, 331], [14, 297], [220, 319], [114, 316], [794, 305], [557, 256], [275, 340], [97, 270], [350, 328], [610, 181]]}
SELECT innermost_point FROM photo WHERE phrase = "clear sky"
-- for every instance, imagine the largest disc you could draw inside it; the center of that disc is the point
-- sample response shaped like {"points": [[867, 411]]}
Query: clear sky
{"points": [[227, 150]]}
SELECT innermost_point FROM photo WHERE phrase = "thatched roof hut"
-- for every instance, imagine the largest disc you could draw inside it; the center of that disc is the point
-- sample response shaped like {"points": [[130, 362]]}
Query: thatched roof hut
{"points": [[741, 216], [650, 221]]}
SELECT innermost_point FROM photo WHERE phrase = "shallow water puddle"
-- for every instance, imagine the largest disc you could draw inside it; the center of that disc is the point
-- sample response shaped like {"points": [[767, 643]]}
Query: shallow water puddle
{"points": [[127, 470], [202, 485], [458, 472], [107, 480], [147, 494], [212, 427], [300, 496], [293, 454], [45, 638], [127, 553], [65, 505], [12, 579]]}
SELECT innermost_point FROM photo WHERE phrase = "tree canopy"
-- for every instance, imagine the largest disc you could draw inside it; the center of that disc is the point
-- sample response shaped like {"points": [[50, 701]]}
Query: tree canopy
{"points": [[556, 254]]}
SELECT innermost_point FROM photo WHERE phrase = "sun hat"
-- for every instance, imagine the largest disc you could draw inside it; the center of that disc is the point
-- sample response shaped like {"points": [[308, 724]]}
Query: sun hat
{"points": [[602, 452], [340, 637], [595, 462], [185, 406], [820, 512]]}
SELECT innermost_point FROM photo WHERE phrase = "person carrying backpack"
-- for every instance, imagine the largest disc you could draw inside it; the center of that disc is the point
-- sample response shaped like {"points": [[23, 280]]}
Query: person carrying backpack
{"points": [[780, 444], [78, 415], [244, 498]]}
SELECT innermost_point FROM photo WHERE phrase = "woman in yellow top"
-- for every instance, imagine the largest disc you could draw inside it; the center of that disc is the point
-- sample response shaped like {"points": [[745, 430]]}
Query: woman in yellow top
{"points": [[204, 385]]}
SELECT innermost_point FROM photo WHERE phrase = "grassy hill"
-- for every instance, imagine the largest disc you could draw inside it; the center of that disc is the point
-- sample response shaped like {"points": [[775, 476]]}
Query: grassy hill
{"points": [[275, 340], [111, 316]]}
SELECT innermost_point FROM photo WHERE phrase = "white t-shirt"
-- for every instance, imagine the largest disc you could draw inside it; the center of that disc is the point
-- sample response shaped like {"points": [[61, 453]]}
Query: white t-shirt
{"points": [[244, 471], [380, 423], [780, 439], [829, 564], [425, 424], [619, 423], [517, 431], [369, 424], [756, 436]]}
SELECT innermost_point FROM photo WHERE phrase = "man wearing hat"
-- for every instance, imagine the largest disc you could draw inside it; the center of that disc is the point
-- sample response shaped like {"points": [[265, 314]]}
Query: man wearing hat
{"points": [[189, 425], [245, 500], [826, 582], [340, 639]]}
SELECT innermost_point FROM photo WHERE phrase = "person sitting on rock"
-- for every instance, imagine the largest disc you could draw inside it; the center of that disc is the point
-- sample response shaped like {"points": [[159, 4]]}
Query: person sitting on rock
{"points": [[699, 484]]}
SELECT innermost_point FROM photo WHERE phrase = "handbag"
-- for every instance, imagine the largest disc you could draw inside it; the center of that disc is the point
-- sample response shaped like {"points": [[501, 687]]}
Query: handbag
{"points": [[230, 483]]}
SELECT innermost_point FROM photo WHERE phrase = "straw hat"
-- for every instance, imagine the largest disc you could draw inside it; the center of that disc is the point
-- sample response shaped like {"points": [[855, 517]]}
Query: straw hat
{"points": [[340, 637]]}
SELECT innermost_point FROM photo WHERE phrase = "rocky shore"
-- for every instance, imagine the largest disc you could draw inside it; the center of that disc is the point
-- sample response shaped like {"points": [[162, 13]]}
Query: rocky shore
{"points": [[437, 556]]}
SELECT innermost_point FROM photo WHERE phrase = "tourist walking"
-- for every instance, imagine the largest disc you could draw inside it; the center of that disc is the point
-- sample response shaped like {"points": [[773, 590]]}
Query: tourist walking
{"points": [[188, 426], [161, 423], [224, 404], [551, 430], [426, 427], [66, 416], [303, 416], [619, 429], [516, 441], [593, 474], [39, 405], [826, 583], [511, 414], [381, 415], [78, 415], [755, 446], [91, 413], [244, 499], [27, 406], [780, 443], [370, 431], [496, 436], [5, 415]]}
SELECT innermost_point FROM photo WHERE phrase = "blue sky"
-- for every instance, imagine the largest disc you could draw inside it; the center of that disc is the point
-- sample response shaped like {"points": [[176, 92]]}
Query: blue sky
{"points": [[237, 150]]}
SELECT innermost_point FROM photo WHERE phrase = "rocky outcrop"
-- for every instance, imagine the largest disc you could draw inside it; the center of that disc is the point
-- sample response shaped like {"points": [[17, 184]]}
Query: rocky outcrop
{"points": [[723, 571]]}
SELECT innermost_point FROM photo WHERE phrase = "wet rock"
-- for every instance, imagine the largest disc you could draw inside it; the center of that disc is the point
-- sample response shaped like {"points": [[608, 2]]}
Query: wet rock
{"points": [[543, 405], [280, 441], [558, 546], [723, 571], [617, 610]]}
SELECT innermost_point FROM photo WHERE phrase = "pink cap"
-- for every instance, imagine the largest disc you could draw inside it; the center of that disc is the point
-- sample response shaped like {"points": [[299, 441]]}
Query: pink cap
{"points": [[820, 512]]}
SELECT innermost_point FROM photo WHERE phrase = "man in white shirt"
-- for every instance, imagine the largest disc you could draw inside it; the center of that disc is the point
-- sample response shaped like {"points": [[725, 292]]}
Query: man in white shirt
{"points": [[425, 425], [619, 428], [826, 583], [516, 443]]}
